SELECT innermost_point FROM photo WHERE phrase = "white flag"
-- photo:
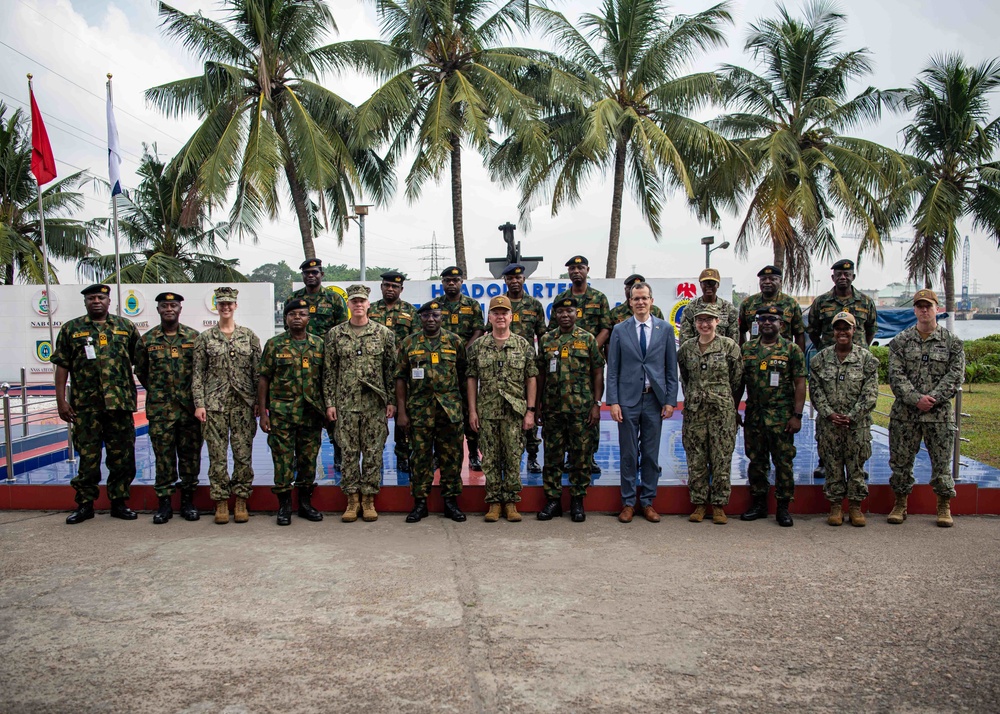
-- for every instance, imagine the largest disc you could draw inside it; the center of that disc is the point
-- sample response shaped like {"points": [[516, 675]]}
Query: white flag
{"points": [[114, 150]]}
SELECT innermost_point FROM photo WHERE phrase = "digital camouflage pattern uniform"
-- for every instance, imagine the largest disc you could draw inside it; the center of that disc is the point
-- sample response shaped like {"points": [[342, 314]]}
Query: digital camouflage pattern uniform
{"points": [[791, 314], [463, 317], [729, 319], [934, 366], [710, 379], [326, 309], [295, 407], [501, 405], [622, 312], [401, 318], [849, 388], [224, 383], [164, 365], [768, 410], [103, 395], [567, 362], [434, 406], [359, 380], [825, 307]]}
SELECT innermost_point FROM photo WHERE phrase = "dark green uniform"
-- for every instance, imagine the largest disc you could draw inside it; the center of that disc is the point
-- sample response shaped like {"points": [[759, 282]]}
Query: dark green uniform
{"points": [[433, 369], [622, 312], [326, 309], [401, 318], [566, 362], [463, 317], [103, 395], [791, 315], [825, 307], [164, 366], [295, 407], [769, 372]]}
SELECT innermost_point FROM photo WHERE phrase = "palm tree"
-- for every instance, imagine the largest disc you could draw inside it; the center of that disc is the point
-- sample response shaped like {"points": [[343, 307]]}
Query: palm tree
{"points": [[957, 175], [803, 172], [630, 113], [166, 246], [21, 256], [451, 84], [265, 113]]}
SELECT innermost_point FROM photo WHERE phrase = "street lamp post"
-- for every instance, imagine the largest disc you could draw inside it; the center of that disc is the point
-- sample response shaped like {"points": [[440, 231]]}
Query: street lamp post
{"points": [[707, 241], [360, 211]]}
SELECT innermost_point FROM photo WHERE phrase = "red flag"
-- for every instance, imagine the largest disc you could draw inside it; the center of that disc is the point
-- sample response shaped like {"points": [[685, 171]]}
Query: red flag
{"points": [[43, 163]]}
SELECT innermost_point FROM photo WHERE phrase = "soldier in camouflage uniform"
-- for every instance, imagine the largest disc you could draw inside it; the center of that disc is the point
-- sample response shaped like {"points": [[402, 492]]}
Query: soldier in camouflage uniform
{"points": [[224, 385], [501, 393], [463, 316], [843, 385], [729, 316], [774, 371], [400, 317], [792, 326], [164, 363], [711, 368], [622, 312], [290, 389], [429, 380], [570, 386], [359, 372], [98, 350], [926, 369], [843, 298]]}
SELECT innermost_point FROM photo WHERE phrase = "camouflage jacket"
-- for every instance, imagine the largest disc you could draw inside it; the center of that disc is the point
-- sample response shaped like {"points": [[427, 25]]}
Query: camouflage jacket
{"points": [[295, 370], [502, 373], [791, 315], [164, 365], [849, 387], [566, 362], [771, 405], [105, 382], [622, 312], [444, 364], [359, 369], [463, 317], [592, 311], [711, 378], [527, 319], [400, 317], [326, 309], [934, 366], [729, 320], [223, 364], [825, 307]]}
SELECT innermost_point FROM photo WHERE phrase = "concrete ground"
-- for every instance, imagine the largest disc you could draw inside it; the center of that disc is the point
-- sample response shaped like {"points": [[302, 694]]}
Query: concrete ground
{"points": [[112, 616]]}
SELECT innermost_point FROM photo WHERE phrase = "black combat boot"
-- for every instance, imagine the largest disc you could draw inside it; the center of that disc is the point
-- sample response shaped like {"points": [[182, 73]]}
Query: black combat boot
{"points": [[165, 512], [285, 508], [552, 509], [120, 510], [576, 512], [758, 509], [452, 511], [595, 470], [782, 516], [419, 510], [306, 509], [474, 463], [188, 511], [533, 467], [83, 512]]}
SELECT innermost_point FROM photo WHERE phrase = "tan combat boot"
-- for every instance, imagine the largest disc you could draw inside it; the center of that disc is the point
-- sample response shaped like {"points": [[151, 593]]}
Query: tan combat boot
{"points": [[719, 515], [855, 515], [836, 517], [368, 512], [222, 512], [944, 512], [353, 506], [240, 513], [898, 514], [493, 515], [510, 511], [698, 514]]}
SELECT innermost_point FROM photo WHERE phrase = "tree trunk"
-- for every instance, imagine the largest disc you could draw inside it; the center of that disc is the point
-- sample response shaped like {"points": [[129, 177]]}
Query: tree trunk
{"points": [[456, 205], [8, 274], [618, 188], [949, 290], [299, 199], [779, 257]]}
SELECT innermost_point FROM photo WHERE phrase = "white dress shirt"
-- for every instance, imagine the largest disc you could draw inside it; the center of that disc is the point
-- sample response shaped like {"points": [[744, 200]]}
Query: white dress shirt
{"points": [[649, 336]]}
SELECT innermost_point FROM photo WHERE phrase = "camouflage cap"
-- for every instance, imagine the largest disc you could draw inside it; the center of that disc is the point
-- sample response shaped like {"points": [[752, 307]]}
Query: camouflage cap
{"points": [[357, 290], [707, 309], [925, 295], [312, 264], [393, 276], [226, 295], [452, 271], [565, 302], [844, 316], [634, 278], [96, 289], [500, 302], [296, 304], [577, 260], [769, 270], [769, 310], [709, 274], [843, 264], [513, 269], [169, 297], [428, 306]]}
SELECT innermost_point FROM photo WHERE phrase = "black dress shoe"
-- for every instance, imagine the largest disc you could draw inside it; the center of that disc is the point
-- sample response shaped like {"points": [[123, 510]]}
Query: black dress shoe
{"points": [[419, 510], [475, 464], [165, 512], [120, 510], [820, 472], [188, 511], [306, 509], [452, 511], [533, 467], [338, 460], [594, 468], [758, 509], [552, 509], [576, 512], [285, 508], [83, 512], [782, 516]]}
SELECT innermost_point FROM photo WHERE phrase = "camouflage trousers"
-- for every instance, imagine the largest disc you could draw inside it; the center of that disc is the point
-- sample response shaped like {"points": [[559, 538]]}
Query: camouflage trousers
{"points": [[843, 452], [762, 445], [471, 437], [531, 441], [294, 447], [904, 443], [566, 432], [362, 436], [502, 441], [401, 444], [709, 439], [233, 427], [115, 431], [176, 440], [437, 434]]}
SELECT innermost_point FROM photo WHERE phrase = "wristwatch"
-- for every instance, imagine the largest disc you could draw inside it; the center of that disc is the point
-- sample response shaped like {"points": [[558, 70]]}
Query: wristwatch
{"points": [[531, 409], [797, 416]]}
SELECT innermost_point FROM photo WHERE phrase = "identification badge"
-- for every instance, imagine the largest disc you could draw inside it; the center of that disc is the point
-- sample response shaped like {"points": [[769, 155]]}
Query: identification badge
{"points": [[417, 373], [90, 352], [434, 358], [754, 329], [553, 365], [305, 363], [174, 352], [102, 340], [775, 378], [388, 322], [454, 319]]}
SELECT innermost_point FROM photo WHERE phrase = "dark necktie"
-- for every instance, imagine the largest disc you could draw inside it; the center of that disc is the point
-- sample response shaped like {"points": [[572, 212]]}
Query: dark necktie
{"points": [[642, 338]]}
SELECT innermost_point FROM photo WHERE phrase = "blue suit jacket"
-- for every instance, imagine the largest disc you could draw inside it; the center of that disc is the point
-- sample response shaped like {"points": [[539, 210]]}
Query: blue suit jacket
{"points": [[627, 368]]}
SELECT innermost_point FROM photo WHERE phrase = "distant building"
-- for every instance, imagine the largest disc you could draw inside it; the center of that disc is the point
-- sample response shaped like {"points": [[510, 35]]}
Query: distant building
{"points": [[892, 294]]}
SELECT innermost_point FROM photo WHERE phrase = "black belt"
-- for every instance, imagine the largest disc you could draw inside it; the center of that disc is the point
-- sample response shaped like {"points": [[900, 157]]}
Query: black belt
{"points": [[647, 390]]}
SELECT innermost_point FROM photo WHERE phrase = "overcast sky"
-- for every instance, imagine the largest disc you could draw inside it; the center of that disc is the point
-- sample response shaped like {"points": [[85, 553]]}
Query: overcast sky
{"points": [[70, 45]]}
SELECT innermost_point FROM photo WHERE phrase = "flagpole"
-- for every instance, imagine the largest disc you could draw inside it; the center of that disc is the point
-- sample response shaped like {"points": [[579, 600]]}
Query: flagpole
{"points": [[49, 302], [114, 224]]}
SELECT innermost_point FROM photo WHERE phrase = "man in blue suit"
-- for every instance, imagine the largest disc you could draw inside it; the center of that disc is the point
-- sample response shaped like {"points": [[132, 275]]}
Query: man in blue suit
{"points": [[642, 391]]}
